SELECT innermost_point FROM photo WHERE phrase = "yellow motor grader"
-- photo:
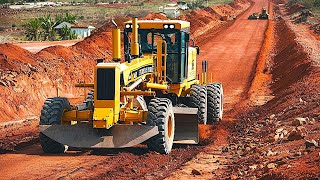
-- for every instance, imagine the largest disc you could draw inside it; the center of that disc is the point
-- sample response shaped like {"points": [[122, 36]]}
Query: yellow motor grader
{"points": [[152, 96], [264, 15]]}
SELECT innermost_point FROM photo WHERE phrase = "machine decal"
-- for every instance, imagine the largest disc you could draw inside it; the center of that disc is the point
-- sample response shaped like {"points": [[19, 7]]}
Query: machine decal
{"points": [[141, 71]]}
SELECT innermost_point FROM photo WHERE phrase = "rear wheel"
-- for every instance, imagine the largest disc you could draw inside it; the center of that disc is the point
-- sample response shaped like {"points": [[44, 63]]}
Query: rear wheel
{"points": [[160, 114], [88, 103], [51, 113], [90, 100], [215, 102], [198, 99]]}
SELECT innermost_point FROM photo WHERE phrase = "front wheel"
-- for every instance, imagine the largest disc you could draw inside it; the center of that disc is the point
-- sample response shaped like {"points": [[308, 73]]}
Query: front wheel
{"points": [[198, 99], [160, 114], [51, 113], [215, 102]]}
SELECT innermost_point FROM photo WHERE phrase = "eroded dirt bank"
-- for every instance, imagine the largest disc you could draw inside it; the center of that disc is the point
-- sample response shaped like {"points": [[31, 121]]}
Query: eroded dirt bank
{"points": [[129, 163], [278, 136]]}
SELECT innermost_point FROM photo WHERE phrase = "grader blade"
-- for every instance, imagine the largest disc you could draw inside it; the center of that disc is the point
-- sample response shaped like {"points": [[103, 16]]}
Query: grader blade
{"points": [[186, 125], [84, 136]]}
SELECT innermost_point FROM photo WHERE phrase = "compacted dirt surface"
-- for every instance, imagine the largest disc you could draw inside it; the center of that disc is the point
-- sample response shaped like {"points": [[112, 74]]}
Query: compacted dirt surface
{"points": [[35, 47], [271, 125], [232, 56]]}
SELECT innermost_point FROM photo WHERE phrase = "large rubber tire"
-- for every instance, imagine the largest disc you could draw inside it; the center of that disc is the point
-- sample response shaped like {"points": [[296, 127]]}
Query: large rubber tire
{"points": [[160, 114], [51, 113], [198, 99], [90, 100], [88, 103], [215, 102]]}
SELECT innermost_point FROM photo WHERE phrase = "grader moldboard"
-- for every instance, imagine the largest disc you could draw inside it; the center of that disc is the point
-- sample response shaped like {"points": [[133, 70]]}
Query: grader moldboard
{"points": [[154, 96]]}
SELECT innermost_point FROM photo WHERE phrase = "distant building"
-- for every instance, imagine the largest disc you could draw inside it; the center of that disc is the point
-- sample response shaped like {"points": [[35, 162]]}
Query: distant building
{"points": [[63, 24], [182, 5], [82, 31], [171, 11]]}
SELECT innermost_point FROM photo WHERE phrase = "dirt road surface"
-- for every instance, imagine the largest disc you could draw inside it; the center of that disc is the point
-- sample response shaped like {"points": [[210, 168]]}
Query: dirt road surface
{"points": [[232, 55], [35, 47], [232, 58]]}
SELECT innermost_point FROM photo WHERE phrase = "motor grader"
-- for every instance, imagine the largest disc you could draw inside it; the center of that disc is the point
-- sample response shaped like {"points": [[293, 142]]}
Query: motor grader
{"points": [[154, 95], [263, 15]]}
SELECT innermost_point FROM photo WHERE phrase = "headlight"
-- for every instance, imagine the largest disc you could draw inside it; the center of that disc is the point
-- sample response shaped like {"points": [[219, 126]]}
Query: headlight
{"points": [[128, 26], [166, 26], [171, 26]]}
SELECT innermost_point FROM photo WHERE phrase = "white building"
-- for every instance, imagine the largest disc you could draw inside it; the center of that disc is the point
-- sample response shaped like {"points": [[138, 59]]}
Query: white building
{"points": [[82, 31], [171, 11]]}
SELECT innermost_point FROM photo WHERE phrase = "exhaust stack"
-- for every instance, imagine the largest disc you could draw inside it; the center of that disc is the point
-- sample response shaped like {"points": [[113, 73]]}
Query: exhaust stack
{"points": [[135, 43], [116, 46]]}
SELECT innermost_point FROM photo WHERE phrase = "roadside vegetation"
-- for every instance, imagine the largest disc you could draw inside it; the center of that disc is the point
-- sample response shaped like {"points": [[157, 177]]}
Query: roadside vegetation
{"points": [[14, 22], [42, 29], [310, 4], [306, 11]]}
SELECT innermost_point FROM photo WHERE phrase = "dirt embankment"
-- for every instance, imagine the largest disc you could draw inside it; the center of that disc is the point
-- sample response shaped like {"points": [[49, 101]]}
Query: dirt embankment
{"points": [[279, 140], [27, 79]]}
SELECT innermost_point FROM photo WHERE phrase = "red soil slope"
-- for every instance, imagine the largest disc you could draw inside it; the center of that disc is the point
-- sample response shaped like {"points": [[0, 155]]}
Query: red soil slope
{"points": [[256, 148]]}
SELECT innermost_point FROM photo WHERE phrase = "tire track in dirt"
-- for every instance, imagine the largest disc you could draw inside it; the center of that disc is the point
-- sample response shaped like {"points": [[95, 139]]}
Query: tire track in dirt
{"points": [[129, 163], [232, 57]]}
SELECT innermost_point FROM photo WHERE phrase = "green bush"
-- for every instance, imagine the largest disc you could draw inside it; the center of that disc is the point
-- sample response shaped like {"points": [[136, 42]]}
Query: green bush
{"points": [[43, 28], [307, 3], [196, 4]]}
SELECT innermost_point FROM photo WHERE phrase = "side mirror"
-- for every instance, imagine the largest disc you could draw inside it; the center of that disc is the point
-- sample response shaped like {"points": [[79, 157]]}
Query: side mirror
{"points": [[198, 49], [187, 37]]}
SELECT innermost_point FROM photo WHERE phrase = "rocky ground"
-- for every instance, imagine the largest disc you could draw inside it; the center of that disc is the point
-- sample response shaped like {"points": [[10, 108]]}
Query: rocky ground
{"points": [[277, 136]]}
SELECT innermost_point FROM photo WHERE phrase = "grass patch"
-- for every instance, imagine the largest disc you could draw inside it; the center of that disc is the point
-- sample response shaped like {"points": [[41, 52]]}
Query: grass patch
{"points": [[94, 15], [216, 2]]}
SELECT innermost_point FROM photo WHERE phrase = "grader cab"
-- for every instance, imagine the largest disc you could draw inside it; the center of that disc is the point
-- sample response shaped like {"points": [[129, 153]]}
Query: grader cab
{"points": [[152, 96]]}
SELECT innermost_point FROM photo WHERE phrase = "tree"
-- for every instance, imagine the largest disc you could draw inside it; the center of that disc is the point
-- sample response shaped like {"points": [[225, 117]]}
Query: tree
{"points": [[196, 4], [70, 18], [33, 28], [48, 25], [66, 33], [59, 18], [67, 17], [43, 28]]}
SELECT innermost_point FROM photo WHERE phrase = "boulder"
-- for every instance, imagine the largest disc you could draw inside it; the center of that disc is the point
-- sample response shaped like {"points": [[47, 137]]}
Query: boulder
{"points": [[195, 172], [299, 121], [295, 135], [310, 144]]}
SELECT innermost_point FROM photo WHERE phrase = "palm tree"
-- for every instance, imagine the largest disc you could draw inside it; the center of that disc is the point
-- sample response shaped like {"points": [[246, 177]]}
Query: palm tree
{"points": [[66, 33], [33, 28], [70, 18], [48, 25], [59, 18], [67, 17]]}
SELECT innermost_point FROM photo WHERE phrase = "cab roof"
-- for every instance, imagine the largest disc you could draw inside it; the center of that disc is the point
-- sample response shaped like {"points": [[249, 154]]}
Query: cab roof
{"points": [[159, 24]]}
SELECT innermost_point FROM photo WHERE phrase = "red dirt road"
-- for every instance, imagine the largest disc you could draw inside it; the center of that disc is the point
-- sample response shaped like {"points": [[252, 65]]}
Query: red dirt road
{"points": [[232, 55], [35, 47], [232, 58]]}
